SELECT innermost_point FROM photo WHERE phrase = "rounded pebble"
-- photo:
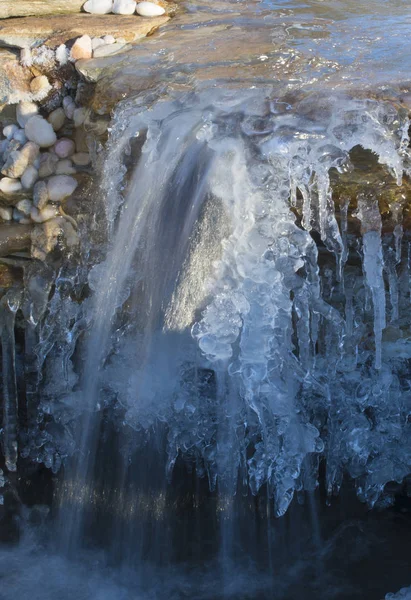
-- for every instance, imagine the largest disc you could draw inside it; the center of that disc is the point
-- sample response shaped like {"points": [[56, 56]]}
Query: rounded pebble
{"points": [[57, 118], [98, 7], [60, 187], [124, 7], [109, 39], [9, 131], [24, 206], [29, 177], [149, 9], [24, 112], [40, 194], [64, 147], [9, 185], [81, 159], [40, 131], [65, 167], [6, 213]]}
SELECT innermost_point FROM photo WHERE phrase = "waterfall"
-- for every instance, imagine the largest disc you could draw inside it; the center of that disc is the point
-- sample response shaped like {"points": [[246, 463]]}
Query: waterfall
{"points": [[219, 337]]}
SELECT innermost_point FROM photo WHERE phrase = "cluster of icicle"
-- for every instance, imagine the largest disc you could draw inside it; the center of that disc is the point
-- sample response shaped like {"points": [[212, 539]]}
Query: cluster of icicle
{"points": [[269, 374]]}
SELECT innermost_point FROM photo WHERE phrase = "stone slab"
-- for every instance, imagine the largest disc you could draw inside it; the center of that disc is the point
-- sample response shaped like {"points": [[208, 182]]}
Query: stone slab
{"points": [[25, 8]]}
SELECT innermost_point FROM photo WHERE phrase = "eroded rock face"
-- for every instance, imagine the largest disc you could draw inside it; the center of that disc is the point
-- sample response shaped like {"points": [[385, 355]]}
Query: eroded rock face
{"points": [[55, 30], [25, 8]]}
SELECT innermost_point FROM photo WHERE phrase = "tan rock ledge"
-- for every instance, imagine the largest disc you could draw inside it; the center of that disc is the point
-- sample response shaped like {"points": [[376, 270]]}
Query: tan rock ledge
{"points": [[25, 8], [27, 32]]}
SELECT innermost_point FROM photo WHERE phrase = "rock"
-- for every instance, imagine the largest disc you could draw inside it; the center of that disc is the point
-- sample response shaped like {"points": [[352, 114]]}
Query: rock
{"points": [[44, 238], [40, 86], [108, 50], [15, 165], [29, 177], [25, 8], [6, 213], [96, 42], [57, 118], [24, 206], [24, 112], [60, 187], [14, 78], [41, 216], [79, 116], [9, 131], [81, 159], [48, 163], [54, 31], [14, 238], [69, 106], [98, 7], [109, 39], [81, 49], [20, 136], [10, 186], [65, 167], [64, 147], [40, 131], [20, 217], [124, 7], [149, 9], [31, 151], [40, 195]]}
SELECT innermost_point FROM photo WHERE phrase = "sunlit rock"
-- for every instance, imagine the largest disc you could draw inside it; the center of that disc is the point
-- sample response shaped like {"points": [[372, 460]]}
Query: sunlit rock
{"points": [[124, 7], [40, 131], [60, 187], [149, 9], [82, 48], [98, 7]]}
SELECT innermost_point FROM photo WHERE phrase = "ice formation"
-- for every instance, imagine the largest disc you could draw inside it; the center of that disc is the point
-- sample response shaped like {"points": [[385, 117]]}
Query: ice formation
{"points": [[271, 357]]}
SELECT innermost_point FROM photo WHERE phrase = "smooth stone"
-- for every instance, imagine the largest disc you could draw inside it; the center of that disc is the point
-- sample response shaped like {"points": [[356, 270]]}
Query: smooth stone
{"points": [[40, 131], [65, 167], [64, 147], [109, 50], [20, 217], [57, 118], [40, 86], [24, 206], [98, 7], [31, 150], [24, 112], [9, 186], [48, 163], [81, 48], [79, 116], [29, 177], [9, 131], [40, 194], [96, 42], [69, 110], [149, 9], [60, 187], [6, 213], [124, 7], [81, 159], [43, 215], [109, 39], [20, 136]]}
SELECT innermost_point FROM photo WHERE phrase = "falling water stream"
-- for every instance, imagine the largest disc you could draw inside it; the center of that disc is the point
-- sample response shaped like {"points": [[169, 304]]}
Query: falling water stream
{"points": [[221, 386]]}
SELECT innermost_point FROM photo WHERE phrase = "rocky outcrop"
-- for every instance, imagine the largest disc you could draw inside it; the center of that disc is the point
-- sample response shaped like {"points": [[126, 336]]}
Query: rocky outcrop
{"points": [[25, 8], [28, 32]]}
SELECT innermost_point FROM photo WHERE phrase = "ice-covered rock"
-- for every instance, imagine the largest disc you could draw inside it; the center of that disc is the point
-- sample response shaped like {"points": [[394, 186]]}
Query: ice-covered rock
{"points": [[25, 57], [64, 147], [24, 112], [149, 9], [81, 49], [124, 7], [29, 177], [40, 87], [65, 167], [9, 131], [48, 162], [60, 187], [98, 7], [40, 195], [40, 131], [56, 118], [81, 159]]}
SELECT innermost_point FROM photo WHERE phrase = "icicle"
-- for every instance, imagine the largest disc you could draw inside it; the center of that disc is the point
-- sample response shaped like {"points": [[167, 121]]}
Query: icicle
{"points": [[369, 215], [9, 305]]}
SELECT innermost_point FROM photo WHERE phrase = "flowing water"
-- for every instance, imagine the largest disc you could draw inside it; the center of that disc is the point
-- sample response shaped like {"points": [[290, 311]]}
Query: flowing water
{"points": [[220, 381]]}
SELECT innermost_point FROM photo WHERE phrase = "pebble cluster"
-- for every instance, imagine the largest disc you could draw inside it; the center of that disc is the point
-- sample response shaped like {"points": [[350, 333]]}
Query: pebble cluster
{"points": [[123, 7]]}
